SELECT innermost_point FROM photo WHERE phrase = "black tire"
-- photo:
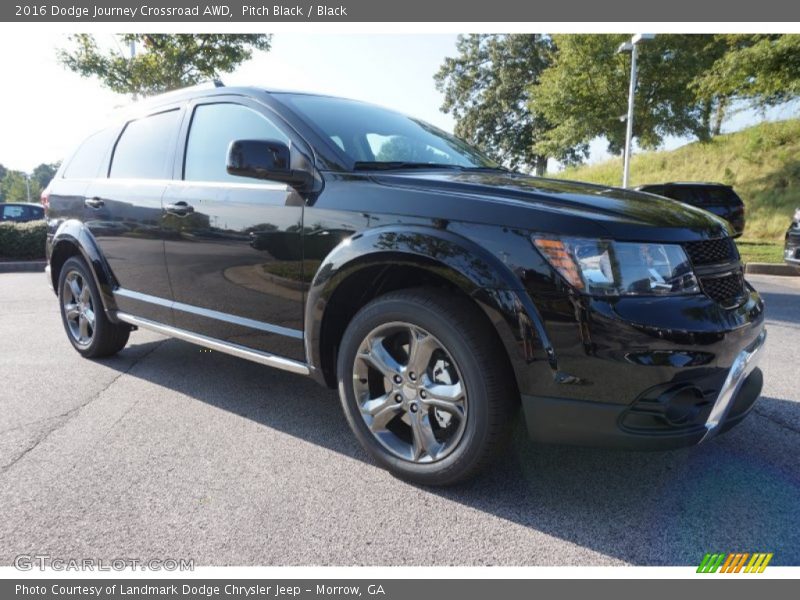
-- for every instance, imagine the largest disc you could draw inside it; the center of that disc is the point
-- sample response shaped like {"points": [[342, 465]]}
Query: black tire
{"points": [[465, 335], [103, 338]]}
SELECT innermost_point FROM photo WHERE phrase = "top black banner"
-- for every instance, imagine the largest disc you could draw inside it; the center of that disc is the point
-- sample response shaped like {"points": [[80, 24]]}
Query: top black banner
{"points": [[138, 11]]}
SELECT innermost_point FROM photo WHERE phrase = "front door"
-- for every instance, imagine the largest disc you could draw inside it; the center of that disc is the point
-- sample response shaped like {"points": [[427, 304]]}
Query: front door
{"points": [[234, 244]]}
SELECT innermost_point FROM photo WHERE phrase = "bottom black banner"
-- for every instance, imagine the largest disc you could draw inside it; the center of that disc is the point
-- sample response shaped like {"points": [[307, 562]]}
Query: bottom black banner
{"points": [[388, 589]]}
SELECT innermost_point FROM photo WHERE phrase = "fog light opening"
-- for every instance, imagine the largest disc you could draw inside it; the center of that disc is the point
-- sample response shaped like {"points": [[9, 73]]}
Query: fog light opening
{"points": [[683, 405]]}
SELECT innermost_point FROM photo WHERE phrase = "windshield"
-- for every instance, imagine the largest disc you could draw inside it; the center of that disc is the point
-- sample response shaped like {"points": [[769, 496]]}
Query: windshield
{"points": [[374, 137]]}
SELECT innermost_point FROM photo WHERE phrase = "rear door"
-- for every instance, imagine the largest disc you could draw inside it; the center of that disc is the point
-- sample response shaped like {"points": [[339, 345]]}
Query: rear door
{"points": [[234, 244], [123, 213]]}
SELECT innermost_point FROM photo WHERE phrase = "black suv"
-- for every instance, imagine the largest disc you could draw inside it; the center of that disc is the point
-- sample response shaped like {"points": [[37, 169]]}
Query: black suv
{"points": [[380, 255], [717, 198]]}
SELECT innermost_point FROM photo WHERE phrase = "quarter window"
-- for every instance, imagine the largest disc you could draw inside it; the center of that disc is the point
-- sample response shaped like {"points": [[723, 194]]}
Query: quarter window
{"points": [[144, 148], [214, 127], [90, 158]]}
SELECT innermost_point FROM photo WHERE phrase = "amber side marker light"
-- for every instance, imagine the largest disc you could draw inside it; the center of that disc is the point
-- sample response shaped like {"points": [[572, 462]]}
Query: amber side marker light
{"points": [[556, 252]]}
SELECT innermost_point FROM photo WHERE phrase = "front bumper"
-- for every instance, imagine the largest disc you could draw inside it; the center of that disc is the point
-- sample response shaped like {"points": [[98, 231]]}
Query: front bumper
{"points": [[677, 417], [643, 373]]}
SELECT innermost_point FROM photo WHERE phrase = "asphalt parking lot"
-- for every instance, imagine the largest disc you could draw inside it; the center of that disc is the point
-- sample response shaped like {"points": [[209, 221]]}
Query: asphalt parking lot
{"points": [[168, 451]]}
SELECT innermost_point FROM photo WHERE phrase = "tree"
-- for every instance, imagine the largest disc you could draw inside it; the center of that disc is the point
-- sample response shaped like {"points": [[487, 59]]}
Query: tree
{"points": [[44, 173], [761, 69], [167, 62], [14, 188], [486, 88], [3, 171], [584, 92]]}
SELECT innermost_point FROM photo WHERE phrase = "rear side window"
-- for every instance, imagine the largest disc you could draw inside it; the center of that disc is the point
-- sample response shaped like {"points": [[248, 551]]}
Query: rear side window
{"points": [[654, 189], [35, 212], [13, 212], [89, 160], [683, 194], [145, 146], [718, 195], [214, 127]]}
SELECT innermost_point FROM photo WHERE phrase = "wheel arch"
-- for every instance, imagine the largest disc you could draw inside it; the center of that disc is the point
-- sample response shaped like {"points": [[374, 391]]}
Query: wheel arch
{"points": [[379, 261], [72, 238]]}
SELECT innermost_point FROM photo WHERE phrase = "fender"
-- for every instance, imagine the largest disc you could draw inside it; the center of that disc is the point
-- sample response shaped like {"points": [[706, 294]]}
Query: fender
{"points": [[74, 232], [476, 271]]}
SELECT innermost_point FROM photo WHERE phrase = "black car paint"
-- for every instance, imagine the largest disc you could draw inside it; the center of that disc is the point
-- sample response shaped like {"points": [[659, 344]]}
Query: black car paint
{"points": [[467, 229], [731, 208]]}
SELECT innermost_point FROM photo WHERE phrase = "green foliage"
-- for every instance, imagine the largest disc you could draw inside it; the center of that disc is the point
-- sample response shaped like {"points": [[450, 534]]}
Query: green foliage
{"points": [[486, 88], [584, 92], [44, 173], [760, 251], [763, 69], [23, 240], [167, 62], [3, 171], [13, 188], [761, 162]]}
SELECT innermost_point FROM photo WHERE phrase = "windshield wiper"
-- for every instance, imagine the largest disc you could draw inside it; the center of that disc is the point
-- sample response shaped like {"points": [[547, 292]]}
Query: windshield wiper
{"points": [[368, 165], [497, 169]]}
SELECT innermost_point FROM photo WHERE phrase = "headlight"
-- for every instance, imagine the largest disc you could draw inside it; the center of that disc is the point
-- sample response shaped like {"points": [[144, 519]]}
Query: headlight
{"points": [[606, 268]]}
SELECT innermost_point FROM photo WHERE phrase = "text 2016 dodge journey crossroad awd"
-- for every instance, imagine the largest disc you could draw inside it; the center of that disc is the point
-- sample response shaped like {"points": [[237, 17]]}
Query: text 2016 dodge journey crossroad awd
{"points": [[436, 290]]}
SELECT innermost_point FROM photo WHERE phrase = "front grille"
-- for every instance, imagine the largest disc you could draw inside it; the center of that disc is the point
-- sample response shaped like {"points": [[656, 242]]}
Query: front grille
{"points": [[727, 290], [710, 252]]}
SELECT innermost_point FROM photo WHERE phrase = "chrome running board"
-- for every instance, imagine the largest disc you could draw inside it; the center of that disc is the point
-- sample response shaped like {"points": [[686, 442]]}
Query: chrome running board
{"points": [[258, 356], [743, 365]]}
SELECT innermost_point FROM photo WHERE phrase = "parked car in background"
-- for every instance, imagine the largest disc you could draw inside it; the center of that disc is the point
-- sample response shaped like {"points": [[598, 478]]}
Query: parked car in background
{"points": [[791, 251], [20, 212], [717, 198], [436, 290]]}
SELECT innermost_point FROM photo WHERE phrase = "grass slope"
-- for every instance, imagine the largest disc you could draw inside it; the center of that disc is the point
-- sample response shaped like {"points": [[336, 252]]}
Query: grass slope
{"points": [[762, 163]]}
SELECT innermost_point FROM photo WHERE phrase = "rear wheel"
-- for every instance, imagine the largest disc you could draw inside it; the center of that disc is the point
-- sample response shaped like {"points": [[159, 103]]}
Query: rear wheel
{"points": [[88, 328], [425, 386]]}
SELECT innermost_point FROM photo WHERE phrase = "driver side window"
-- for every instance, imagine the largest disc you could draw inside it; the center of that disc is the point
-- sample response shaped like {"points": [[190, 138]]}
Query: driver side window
{"points": [[213, 128]]}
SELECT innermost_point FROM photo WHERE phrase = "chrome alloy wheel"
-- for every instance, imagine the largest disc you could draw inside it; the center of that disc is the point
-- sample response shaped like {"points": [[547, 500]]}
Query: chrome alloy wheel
{"points": [[76, 299], [410, 392]]}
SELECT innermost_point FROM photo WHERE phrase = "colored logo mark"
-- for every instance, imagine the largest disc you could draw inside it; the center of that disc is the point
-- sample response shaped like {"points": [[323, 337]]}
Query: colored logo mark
{"points": [[735, 562]]}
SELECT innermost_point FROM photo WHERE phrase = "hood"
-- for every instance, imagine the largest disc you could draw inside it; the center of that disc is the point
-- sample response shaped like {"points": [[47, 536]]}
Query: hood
{"points": [[620, 213]]}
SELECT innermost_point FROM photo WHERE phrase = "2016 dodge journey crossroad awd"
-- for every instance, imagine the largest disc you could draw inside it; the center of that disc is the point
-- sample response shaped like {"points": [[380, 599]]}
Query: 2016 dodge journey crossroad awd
{"points": [[437, 290]]}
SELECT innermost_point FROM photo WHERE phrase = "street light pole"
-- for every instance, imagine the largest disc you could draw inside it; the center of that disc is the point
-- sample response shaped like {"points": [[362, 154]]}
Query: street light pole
{"points": [[28, 186], [633, 48], [626, 159], [132, 47]]}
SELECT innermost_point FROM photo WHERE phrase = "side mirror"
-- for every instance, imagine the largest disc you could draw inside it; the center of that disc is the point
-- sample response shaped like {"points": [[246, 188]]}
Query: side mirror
{"points": [[264, 159]]}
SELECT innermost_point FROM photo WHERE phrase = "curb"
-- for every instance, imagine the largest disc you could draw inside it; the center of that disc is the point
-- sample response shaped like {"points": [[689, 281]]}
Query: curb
{"points": [[772, 269], [22, 266]]}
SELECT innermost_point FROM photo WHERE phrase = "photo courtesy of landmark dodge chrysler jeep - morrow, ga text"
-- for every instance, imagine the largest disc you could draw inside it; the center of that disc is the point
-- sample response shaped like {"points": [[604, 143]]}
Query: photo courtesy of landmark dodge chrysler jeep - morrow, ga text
{"points": [[437, 290]]}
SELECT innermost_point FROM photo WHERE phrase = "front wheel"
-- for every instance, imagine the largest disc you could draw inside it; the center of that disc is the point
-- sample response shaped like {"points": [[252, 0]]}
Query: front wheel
{"points": [[88, 328], [425, 385]]}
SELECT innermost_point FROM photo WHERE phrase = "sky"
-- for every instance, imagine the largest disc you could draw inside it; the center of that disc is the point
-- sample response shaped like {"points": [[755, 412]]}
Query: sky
{"points": [[48, 109]]}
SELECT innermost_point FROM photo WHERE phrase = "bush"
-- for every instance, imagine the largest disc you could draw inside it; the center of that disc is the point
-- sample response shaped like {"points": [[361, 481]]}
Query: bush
{"points": [[23, 240]]}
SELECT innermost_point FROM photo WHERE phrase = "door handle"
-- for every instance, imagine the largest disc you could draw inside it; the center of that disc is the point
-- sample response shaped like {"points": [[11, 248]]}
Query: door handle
{"points": [[180, 209], [93, 202]]}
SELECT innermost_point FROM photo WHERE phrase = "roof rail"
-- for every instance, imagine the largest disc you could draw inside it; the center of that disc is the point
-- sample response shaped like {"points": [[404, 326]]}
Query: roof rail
{"points": [[198, 87]]}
